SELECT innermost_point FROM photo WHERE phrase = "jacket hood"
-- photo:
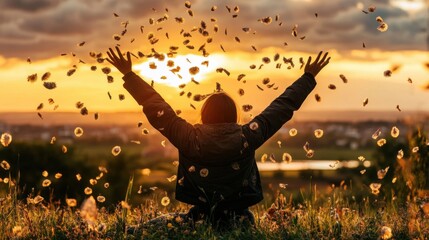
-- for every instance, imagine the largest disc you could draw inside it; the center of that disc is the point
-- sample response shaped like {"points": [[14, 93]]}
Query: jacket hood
{"points": [[220, 143]]}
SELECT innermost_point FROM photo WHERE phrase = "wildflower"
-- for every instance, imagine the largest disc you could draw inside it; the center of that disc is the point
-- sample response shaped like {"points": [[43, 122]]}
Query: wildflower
{"points": [[88, 211]]}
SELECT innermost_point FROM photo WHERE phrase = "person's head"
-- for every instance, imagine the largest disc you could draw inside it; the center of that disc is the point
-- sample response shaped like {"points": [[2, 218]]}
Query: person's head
{"points": [[219, 108]]}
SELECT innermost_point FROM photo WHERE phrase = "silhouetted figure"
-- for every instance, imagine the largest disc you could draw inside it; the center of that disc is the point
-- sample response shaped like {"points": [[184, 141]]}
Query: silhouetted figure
{"points": [[217, 171]]}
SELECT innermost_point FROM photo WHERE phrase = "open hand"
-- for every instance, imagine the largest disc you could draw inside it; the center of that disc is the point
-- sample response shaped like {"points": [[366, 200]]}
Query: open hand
{"points": [[118, 60], [315, 67]]}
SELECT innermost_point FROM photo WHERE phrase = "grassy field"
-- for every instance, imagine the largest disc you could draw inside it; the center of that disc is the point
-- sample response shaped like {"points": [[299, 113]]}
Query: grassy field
{"points": [[322, 215]]}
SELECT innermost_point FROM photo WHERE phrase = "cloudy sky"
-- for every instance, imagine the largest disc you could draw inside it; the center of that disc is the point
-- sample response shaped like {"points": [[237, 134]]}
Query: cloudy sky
{"points": [[48, 32]]}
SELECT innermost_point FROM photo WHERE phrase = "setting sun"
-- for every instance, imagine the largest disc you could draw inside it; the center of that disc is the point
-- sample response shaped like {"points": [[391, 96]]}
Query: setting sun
{"points": [[176, 70]]}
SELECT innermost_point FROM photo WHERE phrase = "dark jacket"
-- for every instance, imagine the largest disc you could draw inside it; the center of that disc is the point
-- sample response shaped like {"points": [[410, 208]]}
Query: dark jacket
{"points": [[217, 164]]}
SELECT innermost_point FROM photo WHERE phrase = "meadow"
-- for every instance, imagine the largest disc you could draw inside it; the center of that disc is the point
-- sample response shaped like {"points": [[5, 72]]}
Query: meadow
{"points": [[79, 195]]}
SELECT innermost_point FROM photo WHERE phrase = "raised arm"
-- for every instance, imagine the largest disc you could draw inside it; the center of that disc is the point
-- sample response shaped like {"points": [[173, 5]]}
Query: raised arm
{"points": [[264, 125], [159, 113]]}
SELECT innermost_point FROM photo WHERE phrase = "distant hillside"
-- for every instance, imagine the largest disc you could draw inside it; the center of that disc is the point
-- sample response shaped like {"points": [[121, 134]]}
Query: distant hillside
{"points": [[132, 118]]}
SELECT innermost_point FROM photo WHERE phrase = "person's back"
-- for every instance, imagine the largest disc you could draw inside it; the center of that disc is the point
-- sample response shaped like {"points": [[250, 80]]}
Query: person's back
{"points": [[217, 171]]}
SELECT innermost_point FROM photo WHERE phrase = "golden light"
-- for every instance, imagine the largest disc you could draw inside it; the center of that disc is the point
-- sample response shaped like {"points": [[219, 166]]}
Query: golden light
{"points": [[409, 5], [164, 73]]}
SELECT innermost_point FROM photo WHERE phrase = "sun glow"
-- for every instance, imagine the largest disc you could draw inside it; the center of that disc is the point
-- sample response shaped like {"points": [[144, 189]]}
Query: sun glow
{"points": [[176, 70], [408, 5]]}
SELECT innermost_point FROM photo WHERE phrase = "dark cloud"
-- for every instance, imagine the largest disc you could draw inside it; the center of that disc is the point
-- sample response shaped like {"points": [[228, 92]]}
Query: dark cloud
{"points": [[29, 5], [340, 24]]}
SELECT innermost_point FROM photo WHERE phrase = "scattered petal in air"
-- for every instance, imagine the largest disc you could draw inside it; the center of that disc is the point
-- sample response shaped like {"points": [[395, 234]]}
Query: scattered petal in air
{"points": [[286, 157], [71, 202], [146, 171], [332, 86], [318, 98], [45, 173], [386, 233], [46, 76], [88, 191], [6, 139], [283, 185], [363, 171], [191, 169], [254, 126], [64, 149], [32, 77], [394, 180], [343, 78], [46, 183], [381, 142], [375, 188], [145, 131], [194, 70], [415, 149], [310, 153], [293, 132], [306, 146], [279, 143], [266, 20], [204, 172], [400, 154], [5, 165], [247, 107], [383, 27], [235, 166], [165, 201], [106, 185], [116, 150], [376, 134], [78, 177], [365, 102], [78, 132], [49, 85], [92, 181], [172, 178], [394, 132], [40, 107], [318, 133], [382, 173], [37, 199], [387, 73], [264, 157], [101, 199], [361, 158], [58, 175]]}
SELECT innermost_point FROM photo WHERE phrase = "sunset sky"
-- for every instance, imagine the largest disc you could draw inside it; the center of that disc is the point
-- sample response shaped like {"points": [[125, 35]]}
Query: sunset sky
{"points": [[43, 30]]}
